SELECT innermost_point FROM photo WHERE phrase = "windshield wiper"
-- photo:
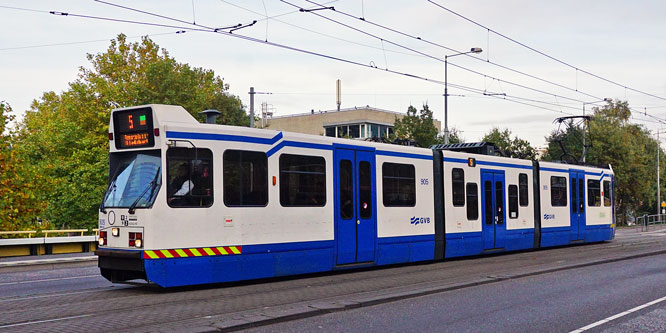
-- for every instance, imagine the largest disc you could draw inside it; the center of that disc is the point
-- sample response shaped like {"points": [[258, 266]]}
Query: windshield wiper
{"points": [[106, 194], [151, 186]]}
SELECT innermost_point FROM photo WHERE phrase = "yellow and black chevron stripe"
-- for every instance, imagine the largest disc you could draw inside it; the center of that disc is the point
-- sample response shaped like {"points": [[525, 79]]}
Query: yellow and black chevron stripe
{"points": [[193, 252]]}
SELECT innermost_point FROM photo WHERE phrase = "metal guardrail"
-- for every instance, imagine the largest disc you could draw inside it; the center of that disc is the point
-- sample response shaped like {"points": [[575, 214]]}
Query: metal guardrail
{"points": [[646, 221], [45, 241]]}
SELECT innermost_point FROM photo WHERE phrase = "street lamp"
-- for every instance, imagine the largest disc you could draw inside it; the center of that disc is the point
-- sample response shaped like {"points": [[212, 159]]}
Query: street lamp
{"points": [[446, 90], [584, 122]]}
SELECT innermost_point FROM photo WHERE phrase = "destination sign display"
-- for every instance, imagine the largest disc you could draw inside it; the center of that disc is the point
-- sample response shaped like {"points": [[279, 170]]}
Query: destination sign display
{"points": [[134, 128]]}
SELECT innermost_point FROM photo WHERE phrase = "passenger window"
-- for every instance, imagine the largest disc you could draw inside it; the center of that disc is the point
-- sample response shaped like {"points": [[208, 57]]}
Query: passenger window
{"points": [[607, 193], [458, 187], [558, 191], [513, 201], [399, 185], [245, 175], [302, 181], [593, 193], [522, 190], [346, 190], [365, 189], [472, 202], [488, 191], [190, 174]]}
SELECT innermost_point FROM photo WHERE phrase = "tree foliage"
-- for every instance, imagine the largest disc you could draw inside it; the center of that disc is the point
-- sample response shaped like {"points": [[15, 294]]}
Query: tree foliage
{"points": [[627, 147], [416, 126], [19, 182], [64, 135], [516, 147]]}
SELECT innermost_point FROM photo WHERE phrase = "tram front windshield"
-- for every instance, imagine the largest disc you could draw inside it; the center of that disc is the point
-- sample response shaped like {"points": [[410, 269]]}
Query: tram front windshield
{"points": [[136, 180]]}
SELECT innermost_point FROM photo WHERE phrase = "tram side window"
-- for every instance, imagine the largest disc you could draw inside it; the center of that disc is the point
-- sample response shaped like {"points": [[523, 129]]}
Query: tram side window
{"points": [[399, 185], [245, 178], [302, 181], [472, 202], [190, 174], [513, 201], [593, 193], [522, 190], [458, 186], [558, 191], [607, 193]]}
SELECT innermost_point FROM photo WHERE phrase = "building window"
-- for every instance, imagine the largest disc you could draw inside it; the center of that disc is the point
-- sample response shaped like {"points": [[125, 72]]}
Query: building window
{"points": [[245, 178], [399, 185], [558, 191], [342, 131], [472, 201], [302, 180], [330, 131], [363, 134], [374, 131], [513, 201], [522, 190], [607, 193], [190, 175], [593, 193], [354, 131], [458, 187]]}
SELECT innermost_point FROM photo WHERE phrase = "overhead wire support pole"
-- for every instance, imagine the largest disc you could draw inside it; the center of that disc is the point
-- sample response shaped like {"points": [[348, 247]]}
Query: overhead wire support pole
{"points": [[446, 90], [586, 126]]}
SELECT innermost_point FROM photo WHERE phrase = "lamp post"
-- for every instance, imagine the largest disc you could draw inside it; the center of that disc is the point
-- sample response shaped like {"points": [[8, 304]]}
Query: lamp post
{"points": [[446, 90], [584, 122]]}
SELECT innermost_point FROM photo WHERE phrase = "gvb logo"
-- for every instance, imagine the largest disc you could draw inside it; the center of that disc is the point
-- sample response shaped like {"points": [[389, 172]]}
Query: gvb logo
{"points": [[419, 220]]}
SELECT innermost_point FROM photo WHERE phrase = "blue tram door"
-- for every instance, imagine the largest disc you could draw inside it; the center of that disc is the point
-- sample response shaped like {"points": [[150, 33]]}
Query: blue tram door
{"points": [[355, 205], [494, 216], [577, 195]]}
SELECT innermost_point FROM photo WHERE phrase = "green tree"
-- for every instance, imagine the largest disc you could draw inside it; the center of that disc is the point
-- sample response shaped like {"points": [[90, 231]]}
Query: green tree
{"points": [[18, 181], [627, 147], [417, 126], [516, 147], [64, 135]]}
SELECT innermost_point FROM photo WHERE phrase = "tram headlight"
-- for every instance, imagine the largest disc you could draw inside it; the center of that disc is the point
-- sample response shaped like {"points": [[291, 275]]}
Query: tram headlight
{"points": [[115, 232], [137, 243], [100, 241], [102, 238]]}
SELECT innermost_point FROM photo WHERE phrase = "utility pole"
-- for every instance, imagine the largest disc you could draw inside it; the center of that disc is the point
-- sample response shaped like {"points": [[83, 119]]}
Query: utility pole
{"points": [[658, 185], [251, 107]]}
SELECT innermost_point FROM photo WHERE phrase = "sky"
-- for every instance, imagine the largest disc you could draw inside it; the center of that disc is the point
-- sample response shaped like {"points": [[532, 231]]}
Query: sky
{"points": [[619, 41]]}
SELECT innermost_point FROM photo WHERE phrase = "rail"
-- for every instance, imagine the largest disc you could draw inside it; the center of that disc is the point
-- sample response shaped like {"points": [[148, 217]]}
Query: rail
{"points": [[646, 221], [37, 242]]}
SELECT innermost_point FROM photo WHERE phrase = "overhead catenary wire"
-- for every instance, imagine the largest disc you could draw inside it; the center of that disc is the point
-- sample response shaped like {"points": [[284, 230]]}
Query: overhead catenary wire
{"points": [[487, 60], [545, 54]]}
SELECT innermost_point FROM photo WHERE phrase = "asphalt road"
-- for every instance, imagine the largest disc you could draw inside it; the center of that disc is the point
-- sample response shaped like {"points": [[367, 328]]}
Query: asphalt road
{"points": [[542, 289], [556, 302]]}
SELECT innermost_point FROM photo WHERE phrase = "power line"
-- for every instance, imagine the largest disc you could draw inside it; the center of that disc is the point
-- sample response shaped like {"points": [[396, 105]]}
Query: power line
{"points": [[458, 51], [431, 56], [84, 42], [543, 53]]}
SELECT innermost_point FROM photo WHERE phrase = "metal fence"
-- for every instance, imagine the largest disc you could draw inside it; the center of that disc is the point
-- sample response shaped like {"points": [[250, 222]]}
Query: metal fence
{"points": [[645, 221]]}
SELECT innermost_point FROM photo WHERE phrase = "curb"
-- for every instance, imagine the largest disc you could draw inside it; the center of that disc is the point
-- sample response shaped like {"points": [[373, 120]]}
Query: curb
{"points": [[254, 318]]}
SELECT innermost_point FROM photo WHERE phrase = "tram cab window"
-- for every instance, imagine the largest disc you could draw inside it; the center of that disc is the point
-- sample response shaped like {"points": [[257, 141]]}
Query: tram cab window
{"points": [[302, 181], [190, 177], [472, 202], [245, 178], [458, 186], [607, 193], [558, 191], [398, 185], [522, 190], [593, 193], [513, 201]]}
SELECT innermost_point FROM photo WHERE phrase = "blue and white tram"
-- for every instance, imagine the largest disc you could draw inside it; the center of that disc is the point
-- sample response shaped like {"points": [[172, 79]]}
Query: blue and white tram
{"points": [[190, 203]]}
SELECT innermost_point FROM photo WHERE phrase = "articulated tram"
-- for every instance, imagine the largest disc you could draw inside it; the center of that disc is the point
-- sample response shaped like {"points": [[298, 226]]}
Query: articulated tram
{"points": [[191, 203]]}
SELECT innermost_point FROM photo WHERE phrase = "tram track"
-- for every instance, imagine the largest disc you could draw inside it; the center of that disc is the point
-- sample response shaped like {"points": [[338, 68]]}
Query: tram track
{"points": [[149, 307]]}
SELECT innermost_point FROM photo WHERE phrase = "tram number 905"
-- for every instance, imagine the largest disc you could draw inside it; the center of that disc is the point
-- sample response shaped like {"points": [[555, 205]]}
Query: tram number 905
{"points": [[425, 181]]}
